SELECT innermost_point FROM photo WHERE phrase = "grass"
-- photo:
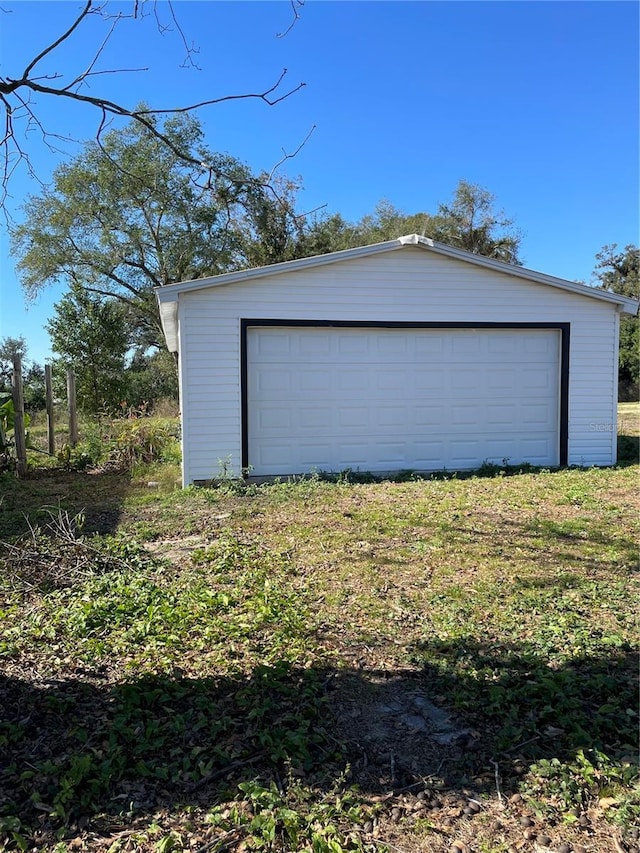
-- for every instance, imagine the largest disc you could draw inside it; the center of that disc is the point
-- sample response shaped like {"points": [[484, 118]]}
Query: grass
{"points": [[239, 668]]}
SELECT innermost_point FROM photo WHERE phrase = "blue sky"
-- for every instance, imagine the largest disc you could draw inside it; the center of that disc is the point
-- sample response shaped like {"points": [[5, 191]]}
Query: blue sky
{"points": [[536, 101]]}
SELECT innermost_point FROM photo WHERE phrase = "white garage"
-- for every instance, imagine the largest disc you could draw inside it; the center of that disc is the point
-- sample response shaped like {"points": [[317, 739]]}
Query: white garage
{"points": [[403, 355]]}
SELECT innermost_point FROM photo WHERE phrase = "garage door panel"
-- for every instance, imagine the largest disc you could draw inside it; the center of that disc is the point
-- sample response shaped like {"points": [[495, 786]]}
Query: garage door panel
{"points": [[393, 383], [462, 379], [428, 380], [386, 399], [538, 415], [536, 450], [316, 418], [349, 345], [270, 382], [537, 345], [538, 379], [318, 345], [278, 419], [352, 454], [396, 345], [432, 345], [429, 454], [501, 380], [396, 417], [315, 455], [499, 449], [353, 417], [311, 381], [499, 415], [272, 454], [503, 345], [464, 453], [466, 345], [392, 453], [352, 379], [425, 417], [462, 415], [270, 345]]}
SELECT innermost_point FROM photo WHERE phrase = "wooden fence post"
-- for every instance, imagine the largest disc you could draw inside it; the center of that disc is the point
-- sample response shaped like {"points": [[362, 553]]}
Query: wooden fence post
{"points": [[71, 403], [50, 414], [18, 415]]}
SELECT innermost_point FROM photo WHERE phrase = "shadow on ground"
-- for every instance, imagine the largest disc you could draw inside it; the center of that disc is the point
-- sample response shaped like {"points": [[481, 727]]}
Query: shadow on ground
{"points": [[31, 501], [85, 746], [628, 449]]}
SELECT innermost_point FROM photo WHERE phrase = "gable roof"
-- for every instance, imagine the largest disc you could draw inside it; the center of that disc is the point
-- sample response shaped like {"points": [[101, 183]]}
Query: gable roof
{"points": [[168, 294]]}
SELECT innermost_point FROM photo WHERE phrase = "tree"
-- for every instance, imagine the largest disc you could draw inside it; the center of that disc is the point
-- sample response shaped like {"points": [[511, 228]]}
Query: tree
{"points": [[150, 379], [619, 272], [388, 222], [128, 215], [10, 347], [34, 388], [90, 337], [470, 221], [270, 229], [41, 78], [326, 233]]}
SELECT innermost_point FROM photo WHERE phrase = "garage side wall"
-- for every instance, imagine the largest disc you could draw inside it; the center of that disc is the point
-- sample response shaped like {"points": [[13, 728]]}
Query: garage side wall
{"points": [[408, 286]]}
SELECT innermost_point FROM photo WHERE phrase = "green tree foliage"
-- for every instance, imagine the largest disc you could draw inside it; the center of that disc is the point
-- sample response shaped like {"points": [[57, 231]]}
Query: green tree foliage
{"points": [[10, 347], [472, 222], [129, 214], [387, 222], [469, 221], [269, 230], [90, 336], [150, 378], [619, 271], [33, 388], [32, 374]]}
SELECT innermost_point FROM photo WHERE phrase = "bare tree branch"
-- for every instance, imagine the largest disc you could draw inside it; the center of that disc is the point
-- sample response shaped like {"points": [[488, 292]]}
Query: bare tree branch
{"points": [[89, 71], [17, 106], [295, 5], [58, 41], [190, 51], [286, 156]]}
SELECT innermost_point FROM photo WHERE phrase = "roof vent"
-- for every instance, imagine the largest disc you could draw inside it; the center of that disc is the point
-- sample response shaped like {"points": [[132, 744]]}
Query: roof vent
{"points": [[415, 240]]}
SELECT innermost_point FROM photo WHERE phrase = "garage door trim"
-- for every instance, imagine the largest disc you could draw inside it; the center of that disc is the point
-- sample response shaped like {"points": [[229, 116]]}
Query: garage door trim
{"points": [[563, 328]]}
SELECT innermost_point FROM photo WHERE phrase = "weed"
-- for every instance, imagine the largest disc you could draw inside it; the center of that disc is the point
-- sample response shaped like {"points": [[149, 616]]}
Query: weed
{"points": [[137, 691], [276, 819], [592, 780]]}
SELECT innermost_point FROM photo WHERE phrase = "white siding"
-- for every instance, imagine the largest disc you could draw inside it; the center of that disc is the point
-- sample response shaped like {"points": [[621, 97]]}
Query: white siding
{"points": [[410, 285]]}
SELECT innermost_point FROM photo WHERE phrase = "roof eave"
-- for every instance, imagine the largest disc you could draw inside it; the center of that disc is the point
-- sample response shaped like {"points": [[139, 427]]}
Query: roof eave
{"points": [[628, 305], [168, 294], [283, 266]]}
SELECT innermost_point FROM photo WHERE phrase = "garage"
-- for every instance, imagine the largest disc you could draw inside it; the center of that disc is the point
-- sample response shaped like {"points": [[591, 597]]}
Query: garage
{"points": [[402, 355], [385, 399]]}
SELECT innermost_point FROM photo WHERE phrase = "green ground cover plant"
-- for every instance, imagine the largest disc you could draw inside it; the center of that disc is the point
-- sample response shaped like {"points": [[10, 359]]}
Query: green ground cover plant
{"points": [[437, 664]]}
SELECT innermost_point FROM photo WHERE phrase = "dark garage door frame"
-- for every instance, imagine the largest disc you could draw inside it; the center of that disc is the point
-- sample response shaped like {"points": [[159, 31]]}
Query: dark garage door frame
{"points": [[563, 328]]}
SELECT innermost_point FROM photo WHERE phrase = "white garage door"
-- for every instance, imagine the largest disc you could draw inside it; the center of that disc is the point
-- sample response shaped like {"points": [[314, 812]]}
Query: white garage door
{"points": [[382, 400]]}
